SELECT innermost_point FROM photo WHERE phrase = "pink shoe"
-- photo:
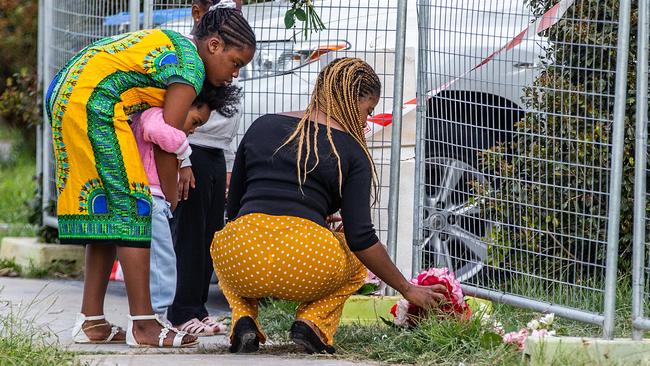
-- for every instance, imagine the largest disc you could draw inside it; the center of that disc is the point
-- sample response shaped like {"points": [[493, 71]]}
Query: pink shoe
{"points": [[196, 327], [213, 324]]}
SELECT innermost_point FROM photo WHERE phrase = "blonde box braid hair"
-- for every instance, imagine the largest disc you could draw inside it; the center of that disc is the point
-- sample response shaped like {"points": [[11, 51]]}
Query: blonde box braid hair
{"points": [[339, 88]]}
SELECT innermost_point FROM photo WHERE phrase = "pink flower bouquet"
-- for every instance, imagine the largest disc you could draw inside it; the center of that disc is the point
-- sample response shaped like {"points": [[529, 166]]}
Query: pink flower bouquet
{"points": [[407, 314]]}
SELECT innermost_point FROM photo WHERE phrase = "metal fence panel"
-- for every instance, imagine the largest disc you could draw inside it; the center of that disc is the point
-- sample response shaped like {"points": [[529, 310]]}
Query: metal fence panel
{"points": [[518, 131], [280, 77]]}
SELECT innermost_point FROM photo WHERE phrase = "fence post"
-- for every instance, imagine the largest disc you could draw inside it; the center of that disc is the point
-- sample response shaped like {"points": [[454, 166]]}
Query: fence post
{"points": [[616, 168], [640, 161], [41, 88], [45, 131], [134, 15], [147, 20], [423, 42], [396, 133]]}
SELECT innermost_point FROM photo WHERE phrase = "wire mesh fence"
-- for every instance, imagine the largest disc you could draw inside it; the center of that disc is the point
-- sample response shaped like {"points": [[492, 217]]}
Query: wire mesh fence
{"points": [[516, 122], [279, 79], [507, 171]]}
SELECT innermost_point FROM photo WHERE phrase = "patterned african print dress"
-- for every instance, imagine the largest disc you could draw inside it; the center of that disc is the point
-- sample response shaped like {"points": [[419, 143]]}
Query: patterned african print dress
{"points": [[103, 193]]}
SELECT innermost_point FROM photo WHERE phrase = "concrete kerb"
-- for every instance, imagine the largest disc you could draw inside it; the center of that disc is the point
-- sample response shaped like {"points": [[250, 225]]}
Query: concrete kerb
{"points": [[577, 350], [26, 251]]}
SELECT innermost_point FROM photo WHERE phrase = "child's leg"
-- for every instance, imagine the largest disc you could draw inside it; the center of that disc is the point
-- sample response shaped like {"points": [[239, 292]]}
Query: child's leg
{"points": [[162, 267], [195, 222]]}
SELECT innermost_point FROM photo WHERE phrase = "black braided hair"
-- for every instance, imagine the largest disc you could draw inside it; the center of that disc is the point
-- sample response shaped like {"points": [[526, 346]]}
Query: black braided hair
{"points": [[223, 99], [205, 3], [229, 24]]}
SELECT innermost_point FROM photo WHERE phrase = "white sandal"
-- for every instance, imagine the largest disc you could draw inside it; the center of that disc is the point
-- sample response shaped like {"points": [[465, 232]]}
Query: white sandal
{"points": [[79, 332], [176, 343]]}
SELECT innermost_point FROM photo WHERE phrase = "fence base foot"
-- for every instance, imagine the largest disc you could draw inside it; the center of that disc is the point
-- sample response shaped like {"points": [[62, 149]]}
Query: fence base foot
{"points": [[585, 351]]}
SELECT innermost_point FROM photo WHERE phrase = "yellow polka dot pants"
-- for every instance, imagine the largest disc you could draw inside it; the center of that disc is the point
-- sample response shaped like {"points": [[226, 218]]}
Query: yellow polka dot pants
{"points": [[285, 257]]}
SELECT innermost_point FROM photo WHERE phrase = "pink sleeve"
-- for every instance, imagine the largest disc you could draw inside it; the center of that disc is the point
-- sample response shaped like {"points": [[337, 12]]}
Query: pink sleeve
{"points": [[168, 138]]}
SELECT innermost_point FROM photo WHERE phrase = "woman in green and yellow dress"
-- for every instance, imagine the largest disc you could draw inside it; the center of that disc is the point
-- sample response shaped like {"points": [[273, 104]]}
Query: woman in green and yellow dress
{"points": [[103, 194]]}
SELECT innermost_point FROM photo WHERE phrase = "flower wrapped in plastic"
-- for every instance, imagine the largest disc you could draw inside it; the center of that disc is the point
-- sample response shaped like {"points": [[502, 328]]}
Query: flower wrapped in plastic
{"points": [[407, 314]]}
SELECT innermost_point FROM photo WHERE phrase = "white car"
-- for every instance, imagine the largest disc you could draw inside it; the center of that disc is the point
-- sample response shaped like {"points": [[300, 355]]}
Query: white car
{"points": [[472, 114]]}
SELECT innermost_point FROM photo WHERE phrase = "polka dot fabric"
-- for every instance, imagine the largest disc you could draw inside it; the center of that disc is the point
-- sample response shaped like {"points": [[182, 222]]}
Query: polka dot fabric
{"points": [[285, 257]]}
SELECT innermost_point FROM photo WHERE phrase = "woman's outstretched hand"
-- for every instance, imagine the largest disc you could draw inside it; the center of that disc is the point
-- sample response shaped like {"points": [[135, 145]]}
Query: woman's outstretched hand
{"points": [[377, 260], [426, 297]]}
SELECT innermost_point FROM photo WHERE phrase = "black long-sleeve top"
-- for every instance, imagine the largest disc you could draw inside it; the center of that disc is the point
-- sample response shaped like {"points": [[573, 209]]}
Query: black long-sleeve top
{"points": [[264, 179]]}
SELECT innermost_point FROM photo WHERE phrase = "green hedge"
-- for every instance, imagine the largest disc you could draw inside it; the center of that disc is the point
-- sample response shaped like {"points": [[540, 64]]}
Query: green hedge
{"points": [[553, 184]]}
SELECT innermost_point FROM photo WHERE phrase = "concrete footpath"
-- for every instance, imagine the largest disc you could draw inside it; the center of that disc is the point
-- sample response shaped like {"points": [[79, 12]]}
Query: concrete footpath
{"points": [[53, 304]]}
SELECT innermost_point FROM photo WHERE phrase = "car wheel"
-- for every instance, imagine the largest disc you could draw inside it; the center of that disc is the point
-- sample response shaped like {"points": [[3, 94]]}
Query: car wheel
{"points": [[453, 228]]}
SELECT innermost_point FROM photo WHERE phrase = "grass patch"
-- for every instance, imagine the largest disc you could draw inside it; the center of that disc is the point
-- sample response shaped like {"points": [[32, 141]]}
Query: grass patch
{"points": [[434, 342], [9, 268], [22, 342], [59, 269], [17, 186], [449, 342], [14, 229]]}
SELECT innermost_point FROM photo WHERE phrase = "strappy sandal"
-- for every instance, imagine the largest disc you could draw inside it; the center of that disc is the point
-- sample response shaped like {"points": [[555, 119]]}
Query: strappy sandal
{"points": [[196, 327], [79, 332], [215, 325], [176, 343]]}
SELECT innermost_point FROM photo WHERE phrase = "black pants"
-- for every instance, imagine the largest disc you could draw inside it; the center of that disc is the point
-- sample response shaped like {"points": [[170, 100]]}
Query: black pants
{"points": [[193, 226]]}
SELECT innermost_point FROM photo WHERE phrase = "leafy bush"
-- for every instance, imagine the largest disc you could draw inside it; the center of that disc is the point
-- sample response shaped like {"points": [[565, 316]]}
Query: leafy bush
{"points": [[19, 103], [552, 196], [18, 37]]}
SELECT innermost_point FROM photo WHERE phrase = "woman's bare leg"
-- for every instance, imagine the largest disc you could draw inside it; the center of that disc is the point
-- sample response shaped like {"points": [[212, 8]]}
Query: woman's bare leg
{"points": [[99, 262], [135, 265]]}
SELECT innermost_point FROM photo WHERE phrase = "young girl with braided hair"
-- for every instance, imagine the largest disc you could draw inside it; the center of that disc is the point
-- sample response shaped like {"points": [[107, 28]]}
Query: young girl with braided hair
{"points": [[291, 172], [203, 180], [104, 200]]}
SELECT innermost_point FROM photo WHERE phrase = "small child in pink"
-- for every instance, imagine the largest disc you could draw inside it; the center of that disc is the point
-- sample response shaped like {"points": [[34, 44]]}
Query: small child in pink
{"points": [[149, 129]]}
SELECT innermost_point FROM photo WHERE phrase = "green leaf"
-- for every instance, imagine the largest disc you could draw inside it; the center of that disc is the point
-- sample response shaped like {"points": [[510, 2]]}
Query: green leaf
{"points": [[290, 18], [301, 15], [490, 339], [368, 289], [390, 323]]}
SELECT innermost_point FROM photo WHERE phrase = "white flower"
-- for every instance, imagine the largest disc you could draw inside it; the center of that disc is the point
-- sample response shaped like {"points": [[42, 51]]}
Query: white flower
{"points": [[543, 333], [547, 319], [533, 324], [401, 312], [498, 328]]}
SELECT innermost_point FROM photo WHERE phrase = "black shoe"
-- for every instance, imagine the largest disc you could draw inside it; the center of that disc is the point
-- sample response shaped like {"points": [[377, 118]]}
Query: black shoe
{"points": [[303, 335], [245, 338]]}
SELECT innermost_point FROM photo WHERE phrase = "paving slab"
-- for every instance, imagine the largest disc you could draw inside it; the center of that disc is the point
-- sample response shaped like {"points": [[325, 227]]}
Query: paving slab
{"points": [[595, 351], [221, 360], [54, 304]]}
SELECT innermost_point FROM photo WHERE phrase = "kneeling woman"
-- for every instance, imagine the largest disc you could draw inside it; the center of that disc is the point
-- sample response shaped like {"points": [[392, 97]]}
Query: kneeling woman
{"points": [[292, 171]]}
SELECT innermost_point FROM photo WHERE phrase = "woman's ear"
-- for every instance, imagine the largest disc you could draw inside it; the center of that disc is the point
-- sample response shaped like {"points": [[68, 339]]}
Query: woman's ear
{"points": [[197, 13]]}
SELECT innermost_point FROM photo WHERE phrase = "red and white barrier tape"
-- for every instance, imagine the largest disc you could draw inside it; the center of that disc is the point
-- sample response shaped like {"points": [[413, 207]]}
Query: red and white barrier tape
{"points": [[379, 121]]}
